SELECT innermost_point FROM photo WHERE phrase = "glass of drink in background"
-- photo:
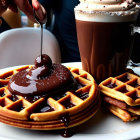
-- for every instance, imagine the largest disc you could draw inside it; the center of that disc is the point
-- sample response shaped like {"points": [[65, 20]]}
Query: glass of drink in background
{"points": [[104, 32]]}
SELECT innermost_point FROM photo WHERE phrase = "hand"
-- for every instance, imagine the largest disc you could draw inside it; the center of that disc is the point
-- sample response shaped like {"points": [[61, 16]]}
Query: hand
{"points": [[23, 5], [3, 6], [35, 4]]}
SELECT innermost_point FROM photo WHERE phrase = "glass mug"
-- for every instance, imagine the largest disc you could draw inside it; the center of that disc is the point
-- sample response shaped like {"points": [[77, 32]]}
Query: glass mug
{"points": [[105, 47], [135, 58]]}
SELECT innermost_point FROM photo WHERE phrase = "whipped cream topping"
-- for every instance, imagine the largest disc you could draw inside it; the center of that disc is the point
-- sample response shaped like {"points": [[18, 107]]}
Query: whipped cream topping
{"points": [[107, 7]]}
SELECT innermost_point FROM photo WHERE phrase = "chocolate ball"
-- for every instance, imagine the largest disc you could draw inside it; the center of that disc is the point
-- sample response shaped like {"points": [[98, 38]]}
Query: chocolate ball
{"points": [[43, 60]]}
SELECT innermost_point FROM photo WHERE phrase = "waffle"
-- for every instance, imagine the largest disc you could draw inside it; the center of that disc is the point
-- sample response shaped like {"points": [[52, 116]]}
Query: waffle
{"points": [[121, 109], [121, 96], [125, 115], [56, 112], [125, 87]]}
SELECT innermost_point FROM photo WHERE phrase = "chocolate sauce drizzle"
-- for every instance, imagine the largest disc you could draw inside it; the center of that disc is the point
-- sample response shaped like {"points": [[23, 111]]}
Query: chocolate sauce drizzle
{"points": [[43, 80], [65, 119], [67, 131], [40, 16]]}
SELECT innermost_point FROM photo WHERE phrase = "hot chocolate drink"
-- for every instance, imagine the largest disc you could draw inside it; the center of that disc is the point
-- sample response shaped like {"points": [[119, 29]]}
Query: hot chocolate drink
{"points": [[104, 31]]}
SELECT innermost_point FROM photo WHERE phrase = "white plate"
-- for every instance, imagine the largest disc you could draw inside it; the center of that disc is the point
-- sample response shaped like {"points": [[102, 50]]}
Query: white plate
{"points": [[101, 126]]}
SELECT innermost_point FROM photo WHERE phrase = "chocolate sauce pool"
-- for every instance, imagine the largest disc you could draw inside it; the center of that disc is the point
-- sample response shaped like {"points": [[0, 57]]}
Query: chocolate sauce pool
{"points": [[66, 120], [44, 79]]}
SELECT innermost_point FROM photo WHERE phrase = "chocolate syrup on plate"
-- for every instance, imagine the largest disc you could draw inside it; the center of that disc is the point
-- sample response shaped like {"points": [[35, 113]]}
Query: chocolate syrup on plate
{"points": [[67, 131]]}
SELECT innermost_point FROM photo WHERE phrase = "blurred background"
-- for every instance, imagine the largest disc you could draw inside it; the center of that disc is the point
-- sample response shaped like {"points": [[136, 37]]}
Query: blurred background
{"points": [[19, 20], [135, 56]]}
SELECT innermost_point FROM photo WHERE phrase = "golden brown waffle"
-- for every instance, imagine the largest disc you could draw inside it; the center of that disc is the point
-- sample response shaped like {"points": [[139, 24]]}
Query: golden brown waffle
{"points": [[125, 115], [122, 105], [125, 87], [121, 109], [121, 95], [73, 107]]}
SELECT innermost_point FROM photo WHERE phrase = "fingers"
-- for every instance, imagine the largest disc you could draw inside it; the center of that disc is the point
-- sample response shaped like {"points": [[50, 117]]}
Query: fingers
{"points": [[40, 11], [35, 4], [12, 6], [25, 6], [3, 6]]}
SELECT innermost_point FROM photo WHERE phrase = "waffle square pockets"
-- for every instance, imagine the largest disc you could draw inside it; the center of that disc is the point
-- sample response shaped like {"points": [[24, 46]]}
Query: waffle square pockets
{"points": [[121, 95], [65, 110]]}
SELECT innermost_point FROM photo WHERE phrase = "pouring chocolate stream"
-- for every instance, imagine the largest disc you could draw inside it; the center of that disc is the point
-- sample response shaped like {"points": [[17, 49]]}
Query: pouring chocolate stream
{"points": [[40, 16]]}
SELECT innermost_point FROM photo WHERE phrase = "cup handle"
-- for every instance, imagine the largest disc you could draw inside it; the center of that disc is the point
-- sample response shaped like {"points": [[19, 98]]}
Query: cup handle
{"points": [[135, 29]]}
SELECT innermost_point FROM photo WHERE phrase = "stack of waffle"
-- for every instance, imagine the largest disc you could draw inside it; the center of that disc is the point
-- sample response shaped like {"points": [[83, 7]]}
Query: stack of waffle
{"points": [[121, 95], [57, 112]]}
